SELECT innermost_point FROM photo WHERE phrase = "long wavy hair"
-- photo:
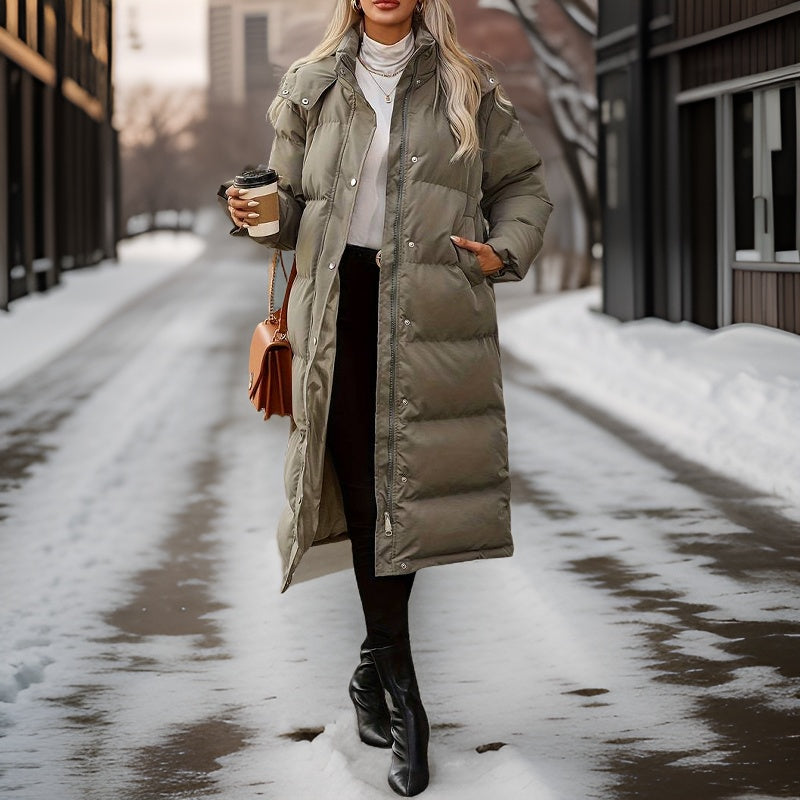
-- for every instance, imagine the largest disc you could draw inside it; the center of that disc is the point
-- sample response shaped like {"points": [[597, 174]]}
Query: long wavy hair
{"points": [[459, 73]]}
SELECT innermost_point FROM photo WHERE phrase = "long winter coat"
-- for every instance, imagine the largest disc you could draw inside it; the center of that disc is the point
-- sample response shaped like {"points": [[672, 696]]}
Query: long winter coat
{"points": [[441, 454]]}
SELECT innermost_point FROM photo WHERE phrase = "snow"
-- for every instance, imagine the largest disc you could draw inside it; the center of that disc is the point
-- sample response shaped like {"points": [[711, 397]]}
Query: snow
{"points": [[729, 399], [40, 326], [506, 649]]}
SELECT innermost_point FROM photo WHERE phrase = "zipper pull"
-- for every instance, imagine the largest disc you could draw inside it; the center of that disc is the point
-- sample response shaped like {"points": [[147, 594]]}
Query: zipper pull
{"points": [[387, 524]]}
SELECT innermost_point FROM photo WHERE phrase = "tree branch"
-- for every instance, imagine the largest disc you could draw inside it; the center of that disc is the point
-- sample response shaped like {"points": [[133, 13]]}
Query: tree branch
{"points": [[582, 12]]}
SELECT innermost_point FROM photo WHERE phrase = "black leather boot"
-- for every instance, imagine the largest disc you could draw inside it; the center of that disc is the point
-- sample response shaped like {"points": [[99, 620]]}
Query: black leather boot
{"points": [[408, 774], [372, 713]]}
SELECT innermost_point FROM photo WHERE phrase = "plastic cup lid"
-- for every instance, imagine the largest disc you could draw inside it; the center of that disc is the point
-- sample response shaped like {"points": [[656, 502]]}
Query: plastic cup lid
{"points": [[255, 177]]}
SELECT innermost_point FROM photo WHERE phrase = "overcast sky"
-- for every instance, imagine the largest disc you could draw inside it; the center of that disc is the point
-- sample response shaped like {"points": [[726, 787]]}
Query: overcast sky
{"points": [[173, 38]]}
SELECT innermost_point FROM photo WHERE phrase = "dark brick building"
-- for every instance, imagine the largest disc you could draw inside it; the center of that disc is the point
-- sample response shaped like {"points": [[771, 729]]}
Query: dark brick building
{"points": [[699, 105], [58, 150]]}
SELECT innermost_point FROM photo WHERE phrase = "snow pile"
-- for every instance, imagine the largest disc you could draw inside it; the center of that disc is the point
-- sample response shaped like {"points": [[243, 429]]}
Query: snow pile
{"points": [[41, 326], [729, 399]]}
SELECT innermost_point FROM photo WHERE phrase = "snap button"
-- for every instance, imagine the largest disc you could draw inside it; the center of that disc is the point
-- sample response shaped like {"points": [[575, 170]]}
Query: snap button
{"points": [[419, 81], [332, 265], [285, 91], [353, 181], [414, 159], [403, 565], [405, 401], [304, 101], [387, 533], [411, 244], [342, 71], [492, 80], [403, 479], [406, 322]]}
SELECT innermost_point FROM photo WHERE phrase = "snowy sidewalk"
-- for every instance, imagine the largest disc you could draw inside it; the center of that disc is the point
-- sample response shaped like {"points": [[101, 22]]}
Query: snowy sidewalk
{"points": [[729, 399], [641, 643], [39, 327]]}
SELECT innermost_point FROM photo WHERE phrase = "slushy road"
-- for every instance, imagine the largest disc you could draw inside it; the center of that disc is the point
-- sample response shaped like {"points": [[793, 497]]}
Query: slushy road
{"points": [[643, 642]]}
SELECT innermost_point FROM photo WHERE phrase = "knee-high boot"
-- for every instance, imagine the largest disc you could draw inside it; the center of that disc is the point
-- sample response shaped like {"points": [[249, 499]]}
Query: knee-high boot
{"points": [[372, 713], [408, 774]]}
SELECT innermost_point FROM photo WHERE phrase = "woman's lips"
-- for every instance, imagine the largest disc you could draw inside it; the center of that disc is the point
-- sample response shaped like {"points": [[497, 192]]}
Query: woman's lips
{"points": [[386, 5]]}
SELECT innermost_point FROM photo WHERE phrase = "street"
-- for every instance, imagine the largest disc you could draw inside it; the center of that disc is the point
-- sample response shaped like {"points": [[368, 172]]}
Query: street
{"points": [[643, 642]]}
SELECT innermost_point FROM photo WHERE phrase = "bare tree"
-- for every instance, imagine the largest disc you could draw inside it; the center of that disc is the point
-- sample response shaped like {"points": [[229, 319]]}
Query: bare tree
{"points": [[156, 143], [176, 148], [571, 106], [582, 12]]}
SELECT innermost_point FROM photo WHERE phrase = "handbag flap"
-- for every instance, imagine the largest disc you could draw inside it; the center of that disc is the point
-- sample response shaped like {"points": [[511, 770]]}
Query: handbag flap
{"points": [[264, 335]]}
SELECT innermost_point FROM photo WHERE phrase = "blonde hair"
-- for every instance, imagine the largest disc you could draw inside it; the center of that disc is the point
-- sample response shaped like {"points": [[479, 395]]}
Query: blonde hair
{"points": [[459, 73]]}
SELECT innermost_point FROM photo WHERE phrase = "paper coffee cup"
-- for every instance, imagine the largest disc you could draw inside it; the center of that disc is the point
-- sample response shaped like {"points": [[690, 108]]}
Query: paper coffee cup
{"points": [[261, 185]]}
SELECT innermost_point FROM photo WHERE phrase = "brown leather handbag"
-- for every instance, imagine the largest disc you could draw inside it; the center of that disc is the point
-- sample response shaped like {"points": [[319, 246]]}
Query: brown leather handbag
{"points": [[270, 385]]}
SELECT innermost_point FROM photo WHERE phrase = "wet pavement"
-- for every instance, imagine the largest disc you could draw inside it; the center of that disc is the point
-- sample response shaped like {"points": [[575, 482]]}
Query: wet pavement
{"points": [[651, 613], [749, 538]]}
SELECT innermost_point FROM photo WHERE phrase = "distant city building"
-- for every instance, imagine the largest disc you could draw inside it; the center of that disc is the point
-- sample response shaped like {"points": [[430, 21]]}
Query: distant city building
{"points": [[58, 150], [249, 41], [238, 48], [699, 151]]}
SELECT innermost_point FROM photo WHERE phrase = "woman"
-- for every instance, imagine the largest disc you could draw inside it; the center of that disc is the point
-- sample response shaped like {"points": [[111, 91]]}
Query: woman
{"points": [[407, 189]]}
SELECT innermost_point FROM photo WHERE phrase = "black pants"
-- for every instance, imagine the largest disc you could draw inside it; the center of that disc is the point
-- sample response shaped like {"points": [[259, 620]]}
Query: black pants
{"points": [[351, 441]]}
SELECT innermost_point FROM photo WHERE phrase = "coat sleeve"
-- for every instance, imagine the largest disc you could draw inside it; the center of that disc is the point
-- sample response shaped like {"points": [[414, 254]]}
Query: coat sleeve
{"points": [[286, 158], [515, 201]]}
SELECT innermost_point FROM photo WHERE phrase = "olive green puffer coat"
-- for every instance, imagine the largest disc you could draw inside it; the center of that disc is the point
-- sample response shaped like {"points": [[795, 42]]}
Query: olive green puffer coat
{"points": [[441, 455]]}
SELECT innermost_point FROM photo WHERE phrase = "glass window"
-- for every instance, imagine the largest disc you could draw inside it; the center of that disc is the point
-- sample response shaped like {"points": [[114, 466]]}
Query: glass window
{"points": [[22, 20], [616, 15], [743, 174], [256, 53], [765, 175], [784, 177]]}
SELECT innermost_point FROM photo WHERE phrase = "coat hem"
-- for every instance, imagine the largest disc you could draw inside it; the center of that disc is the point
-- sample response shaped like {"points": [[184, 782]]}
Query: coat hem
{"points": [[454, 558]]}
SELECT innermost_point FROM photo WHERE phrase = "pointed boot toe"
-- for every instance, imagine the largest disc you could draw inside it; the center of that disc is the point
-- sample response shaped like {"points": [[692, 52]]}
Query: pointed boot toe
{"points": [[372, 713]]}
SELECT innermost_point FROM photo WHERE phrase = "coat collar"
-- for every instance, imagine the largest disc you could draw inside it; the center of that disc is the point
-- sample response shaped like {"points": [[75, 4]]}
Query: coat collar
{"points": [[306, 84], [425, 49]]}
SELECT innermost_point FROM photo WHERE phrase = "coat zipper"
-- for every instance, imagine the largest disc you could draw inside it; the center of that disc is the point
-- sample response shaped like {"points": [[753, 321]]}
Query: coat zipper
{"points": [[393, 327]]}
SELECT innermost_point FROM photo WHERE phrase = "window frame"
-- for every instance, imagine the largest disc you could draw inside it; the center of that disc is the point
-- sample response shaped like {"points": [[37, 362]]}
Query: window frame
{"points": [[726, 228]]}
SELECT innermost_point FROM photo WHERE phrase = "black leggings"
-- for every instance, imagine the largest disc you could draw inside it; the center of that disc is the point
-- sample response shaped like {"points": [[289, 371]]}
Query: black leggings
{"points": [[351, 441]]}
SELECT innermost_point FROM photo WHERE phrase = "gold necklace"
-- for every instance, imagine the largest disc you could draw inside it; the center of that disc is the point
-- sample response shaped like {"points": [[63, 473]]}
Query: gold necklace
{"points": [[375, 81], [378, 72]]}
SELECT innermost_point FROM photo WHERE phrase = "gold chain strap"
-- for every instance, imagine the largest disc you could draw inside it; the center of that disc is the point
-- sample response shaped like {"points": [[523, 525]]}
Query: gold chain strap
{"points": [[277, 254]]}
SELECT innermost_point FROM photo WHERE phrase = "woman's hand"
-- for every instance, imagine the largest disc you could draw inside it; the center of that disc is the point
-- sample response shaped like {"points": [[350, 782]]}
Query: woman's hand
{"points": [[241, 211], [487, 258]]}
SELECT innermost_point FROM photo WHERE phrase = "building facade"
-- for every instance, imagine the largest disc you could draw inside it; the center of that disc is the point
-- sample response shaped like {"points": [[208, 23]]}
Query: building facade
{"points": [[58, 152], [238, 49], [251, 42], [700, 109]]}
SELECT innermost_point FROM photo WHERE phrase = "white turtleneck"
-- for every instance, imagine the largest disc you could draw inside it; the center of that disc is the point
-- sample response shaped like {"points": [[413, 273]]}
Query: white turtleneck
{"points": [[366, 227]]}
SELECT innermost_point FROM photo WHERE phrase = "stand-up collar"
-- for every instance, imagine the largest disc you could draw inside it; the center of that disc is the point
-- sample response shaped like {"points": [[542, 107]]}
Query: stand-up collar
{"points": [[424, 52]]}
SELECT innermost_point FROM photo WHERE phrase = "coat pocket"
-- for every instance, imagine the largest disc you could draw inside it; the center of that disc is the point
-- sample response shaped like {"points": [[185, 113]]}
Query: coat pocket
{"points": [[466, 259]]}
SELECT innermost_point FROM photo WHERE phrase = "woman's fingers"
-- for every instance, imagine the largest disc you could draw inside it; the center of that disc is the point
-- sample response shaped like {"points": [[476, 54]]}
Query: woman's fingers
{"points": [[487, 258], [242, 211], [468, 244]]}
